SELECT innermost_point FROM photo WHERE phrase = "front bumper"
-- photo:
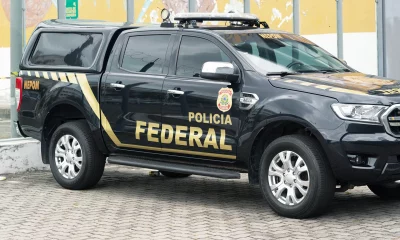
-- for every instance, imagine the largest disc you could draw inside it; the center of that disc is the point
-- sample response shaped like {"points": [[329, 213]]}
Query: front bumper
{"points": [[363, 140]]}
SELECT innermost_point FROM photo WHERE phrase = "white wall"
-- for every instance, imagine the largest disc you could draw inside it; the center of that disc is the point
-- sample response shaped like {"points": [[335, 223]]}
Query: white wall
{"points": [[20, 155], [4, 74], [4, 62], [392, 35]]}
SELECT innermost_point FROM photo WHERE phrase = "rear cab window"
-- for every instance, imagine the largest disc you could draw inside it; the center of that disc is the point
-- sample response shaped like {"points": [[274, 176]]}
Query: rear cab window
{"points": [[66, 49]]}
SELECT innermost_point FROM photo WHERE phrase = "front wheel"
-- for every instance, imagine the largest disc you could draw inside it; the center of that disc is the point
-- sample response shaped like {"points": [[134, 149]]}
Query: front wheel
{"points": [[295, 179], [389, 190], [75, 161]]}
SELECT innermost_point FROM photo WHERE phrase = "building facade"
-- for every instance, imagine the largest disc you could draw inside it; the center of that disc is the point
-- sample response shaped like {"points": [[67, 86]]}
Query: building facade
{"points": [[317, 21]]}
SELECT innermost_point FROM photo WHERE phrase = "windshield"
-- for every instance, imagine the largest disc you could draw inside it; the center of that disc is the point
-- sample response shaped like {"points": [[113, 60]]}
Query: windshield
{"points": [[283, 52]]}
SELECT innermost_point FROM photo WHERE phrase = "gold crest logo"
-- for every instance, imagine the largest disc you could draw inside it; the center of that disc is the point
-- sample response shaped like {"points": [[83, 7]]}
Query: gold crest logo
{"points": [[224, 101]]}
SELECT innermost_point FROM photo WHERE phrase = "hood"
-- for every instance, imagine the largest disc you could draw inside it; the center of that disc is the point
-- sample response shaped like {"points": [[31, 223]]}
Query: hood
{"points": [[345, 87]]}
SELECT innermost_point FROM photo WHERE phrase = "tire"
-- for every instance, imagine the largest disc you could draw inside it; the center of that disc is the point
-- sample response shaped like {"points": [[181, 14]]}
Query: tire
{"points": [[292, 202], [387, 190], [85, 154], [174, 175]]}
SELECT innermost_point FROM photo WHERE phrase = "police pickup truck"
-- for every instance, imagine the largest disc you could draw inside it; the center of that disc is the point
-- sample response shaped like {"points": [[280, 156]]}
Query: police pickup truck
{"points": [[213, 100]]}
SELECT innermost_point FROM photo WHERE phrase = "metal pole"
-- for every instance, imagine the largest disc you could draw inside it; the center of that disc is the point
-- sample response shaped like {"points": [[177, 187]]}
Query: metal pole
{"points": [[192, 6], [16, 38], [380, 22], [61, 9], [246, 6], [130, 14], [296, 16], [24, 22], [339, 19]]}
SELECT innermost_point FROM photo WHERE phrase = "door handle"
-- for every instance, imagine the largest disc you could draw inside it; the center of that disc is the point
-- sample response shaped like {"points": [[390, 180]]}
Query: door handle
{"points": [[175, 92], [117, 85]]}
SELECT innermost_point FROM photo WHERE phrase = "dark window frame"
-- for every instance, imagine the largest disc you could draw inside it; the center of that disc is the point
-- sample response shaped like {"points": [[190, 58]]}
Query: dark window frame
{"points": [[65, 67], [138, 34]]}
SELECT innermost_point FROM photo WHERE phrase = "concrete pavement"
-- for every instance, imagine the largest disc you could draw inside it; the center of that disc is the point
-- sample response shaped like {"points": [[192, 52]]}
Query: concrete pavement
{"points": [[130, 204]]}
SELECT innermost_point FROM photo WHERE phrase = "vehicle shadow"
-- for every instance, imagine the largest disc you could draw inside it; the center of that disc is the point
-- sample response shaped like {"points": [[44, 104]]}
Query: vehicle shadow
{"points": [[359, 203]]}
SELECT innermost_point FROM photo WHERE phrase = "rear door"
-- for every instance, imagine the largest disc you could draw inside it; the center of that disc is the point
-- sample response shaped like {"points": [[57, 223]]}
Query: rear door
{"points": [[200, 116], [131, 97]]}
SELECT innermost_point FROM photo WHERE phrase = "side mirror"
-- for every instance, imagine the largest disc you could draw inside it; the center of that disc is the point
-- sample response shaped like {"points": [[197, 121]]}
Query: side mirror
{"points": [[220, 71]]}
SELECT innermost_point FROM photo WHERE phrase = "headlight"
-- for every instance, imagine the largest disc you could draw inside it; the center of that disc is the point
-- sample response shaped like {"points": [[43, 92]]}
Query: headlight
{"points": [[355, 112]]}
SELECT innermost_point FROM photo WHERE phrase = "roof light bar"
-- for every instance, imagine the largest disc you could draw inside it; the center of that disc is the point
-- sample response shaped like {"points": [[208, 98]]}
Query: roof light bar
{"points": [[199, 17]]}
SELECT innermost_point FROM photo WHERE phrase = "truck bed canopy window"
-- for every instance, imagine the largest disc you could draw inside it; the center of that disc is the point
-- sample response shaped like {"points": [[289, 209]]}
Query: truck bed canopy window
{"points": [[66, 49]]}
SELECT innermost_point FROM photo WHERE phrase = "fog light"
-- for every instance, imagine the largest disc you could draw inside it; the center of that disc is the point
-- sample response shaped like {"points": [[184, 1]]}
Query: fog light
{"points": [[357, 160]]}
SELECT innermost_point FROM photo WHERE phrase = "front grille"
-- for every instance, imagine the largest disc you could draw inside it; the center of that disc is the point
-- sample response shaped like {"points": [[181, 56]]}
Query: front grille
{"points": [[394, 121], [391, 120]]}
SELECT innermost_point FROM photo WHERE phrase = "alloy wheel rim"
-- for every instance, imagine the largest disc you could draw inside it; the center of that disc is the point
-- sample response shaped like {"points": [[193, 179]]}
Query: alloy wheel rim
{"points": [[68, 156], [288, 178]]}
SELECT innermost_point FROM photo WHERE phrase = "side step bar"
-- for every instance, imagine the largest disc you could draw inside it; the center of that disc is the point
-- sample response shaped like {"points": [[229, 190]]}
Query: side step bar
{"points": [[174, 167]]}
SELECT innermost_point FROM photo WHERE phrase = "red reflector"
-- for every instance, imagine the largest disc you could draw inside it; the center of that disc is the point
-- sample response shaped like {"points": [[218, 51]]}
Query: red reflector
{"points": [[18, 91]]}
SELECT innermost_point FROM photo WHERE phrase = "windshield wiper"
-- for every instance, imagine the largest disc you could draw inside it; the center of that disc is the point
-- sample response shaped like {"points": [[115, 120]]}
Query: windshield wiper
{"points": [[324, 71], [282, 74]]}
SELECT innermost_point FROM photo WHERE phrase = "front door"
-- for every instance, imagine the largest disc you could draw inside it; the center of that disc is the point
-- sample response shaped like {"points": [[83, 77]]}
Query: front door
{"points": [[200, 117], [131, 97]]}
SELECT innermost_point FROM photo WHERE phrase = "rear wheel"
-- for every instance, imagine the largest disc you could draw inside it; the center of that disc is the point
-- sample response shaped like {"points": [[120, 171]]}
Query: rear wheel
{"points": [[75, 161], [295, 179], [174, 175], [386, 190]]}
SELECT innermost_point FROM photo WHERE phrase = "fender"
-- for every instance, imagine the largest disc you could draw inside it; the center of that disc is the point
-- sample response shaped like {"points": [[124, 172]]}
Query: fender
{"points": [[308, 110], [72, 97]]}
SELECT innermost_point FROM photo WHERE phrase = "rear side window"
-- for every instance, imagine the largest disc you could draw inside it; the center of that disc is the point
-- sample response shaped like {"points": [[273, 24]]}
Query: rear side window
{"points": [[146, 53], [66, 49]]}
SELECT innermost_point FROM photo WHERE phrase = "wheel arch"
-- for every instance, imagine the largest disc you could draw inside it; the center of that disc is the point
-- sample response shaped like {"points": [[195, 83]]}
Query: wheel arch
{"points": [[63, 112], [270, 130]]}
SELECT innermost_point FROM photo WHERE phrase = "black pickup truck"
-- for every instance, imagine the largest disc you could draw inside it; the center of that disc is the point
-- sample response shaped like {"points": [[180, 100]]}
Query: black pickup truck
{"points": [[190, 98]]}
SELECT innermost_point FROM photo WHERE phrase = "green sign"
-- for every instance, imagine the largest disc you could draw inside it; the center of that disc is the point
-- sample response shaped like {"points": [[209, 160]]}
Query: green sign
{"points": [[71, 9]]}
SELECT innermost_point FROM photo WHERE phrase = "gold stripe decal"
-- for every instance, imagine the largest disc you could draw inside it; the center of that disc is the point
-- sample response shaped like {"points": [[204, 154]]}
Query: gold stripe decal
{"points": [[323, 87], [63, 77], [72, 78], [107, 127], [45, 75], [54, 76], [344, 90], [87, 91]]}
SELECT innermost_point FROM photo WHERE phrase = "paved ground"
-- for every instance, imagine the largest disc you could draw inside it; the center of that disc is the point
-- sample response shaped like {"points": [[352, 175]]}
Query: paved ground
{"points": [[130, 204]]}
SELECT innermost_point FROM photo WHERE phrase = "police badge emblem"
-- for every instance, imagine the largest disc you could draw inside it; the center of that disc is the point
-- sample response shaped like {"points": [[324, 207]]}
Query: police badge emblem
{"points": [[224, 101]]}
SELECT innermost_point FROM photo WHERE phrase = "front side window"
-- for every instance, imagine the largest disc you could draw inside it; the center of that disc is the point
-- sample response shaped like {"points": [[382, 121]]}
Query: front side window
{"points": [[146, 54], [278, 52], [194, 52], [66, 49]]}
